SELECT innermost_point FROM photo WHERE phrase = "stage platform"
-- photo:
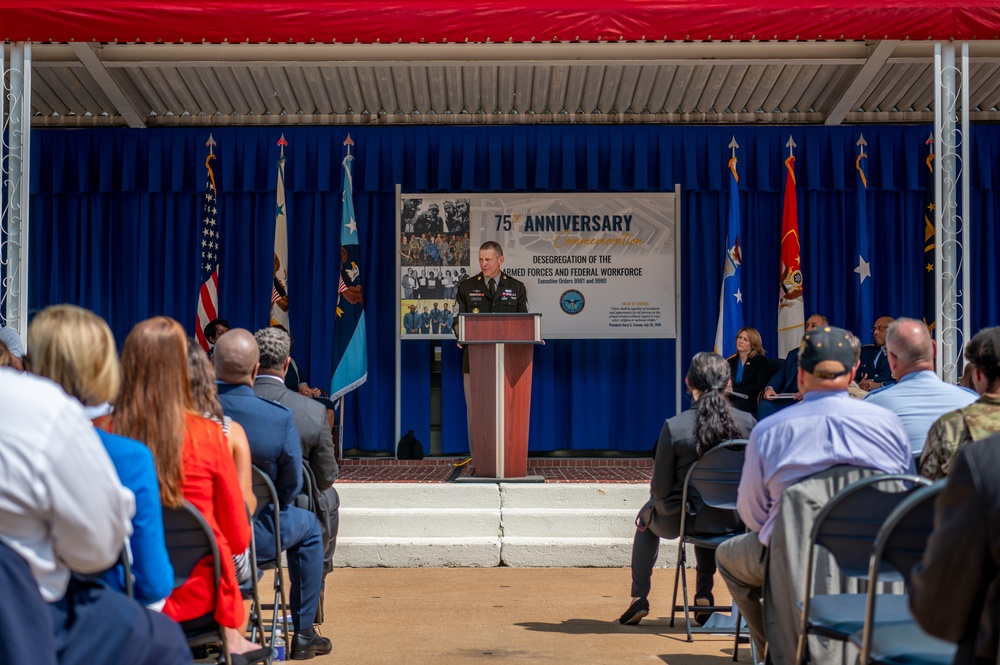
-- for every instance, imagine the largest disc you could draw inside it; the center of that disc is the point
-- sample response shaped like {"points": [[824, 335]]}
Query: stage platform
{"points": [[444, 469], [413, 513]]}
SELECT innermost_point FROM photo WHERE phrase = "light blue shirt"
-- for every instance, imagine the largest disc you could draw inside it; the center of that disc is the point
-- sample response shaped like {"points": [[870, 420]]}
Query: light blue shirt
{"points": [[919, 399], [824, 430]]}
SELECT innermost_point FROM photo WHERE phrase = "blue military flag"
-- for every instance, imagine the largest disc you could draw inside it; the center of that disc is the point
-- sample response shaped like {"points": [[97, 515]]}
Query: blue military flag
{"points": [[350, 343], [731, 300], [866, 312]]}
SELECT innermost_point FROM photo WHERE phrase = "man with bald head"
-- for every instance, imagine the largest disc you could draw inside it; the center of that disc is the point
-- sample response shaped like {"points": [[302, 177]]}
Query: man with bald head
{"points": [[275, 449], [919, 397]]}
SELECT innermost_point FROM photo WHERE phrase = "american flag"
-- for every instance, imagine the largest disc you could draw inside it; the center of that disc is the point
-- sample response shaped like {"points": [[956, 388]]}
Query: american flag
{"points": [[208, 294]]}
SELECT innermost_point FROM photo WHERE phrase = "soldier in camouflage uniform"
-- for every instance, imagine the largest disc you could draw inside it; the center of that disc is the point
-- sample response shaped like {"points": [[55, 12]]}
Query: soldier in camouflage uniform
{"points": [[972, 423]]}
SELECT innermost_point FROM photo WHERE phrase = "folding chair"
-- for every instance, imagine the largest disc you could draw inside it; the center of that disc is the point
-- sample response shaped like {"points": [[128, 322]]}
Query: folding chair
{"points": [[846, 528], [901, 543], [189, 540], [125, 561], [715, 477], [266, 495], [255, 622]]}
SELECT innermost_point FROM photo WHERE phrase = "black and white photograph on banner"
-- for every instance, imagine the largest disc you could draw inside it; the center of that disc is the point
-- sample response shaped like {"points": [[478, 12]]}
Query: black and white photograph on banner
{"points": [[436, 215], [426, 283], [427, 317]]}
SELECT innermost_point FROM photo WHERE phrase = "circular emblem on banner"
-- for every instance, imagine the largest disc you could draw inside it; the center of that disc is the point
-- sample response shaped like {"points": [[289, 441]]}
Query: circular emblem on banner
{"points": [[572, 302]]}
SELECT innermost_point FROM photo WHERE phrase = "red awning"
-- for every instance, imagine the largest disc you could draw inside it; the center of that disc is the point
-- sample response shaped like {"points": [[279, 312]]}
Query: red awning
{"points": [[370, 21]]}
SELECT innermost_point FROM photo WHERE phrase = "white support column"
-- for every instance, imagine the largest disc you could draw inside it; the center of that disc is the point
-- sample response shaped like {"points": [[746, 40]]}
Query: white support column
{"points": [[951, 195], [15, 168]]}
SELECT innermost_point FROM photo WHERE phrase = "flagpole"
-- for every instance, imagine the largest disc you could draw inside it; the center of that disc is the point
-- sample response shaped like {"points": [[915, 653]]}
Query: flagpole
{"points": [[340, 428]]}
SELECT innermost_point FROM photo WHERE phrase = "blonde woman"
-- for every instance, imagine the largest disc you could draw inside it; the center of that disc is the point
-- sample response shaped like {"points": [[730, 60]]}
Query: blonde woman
{"points": [[75, 348], [748, 367]]}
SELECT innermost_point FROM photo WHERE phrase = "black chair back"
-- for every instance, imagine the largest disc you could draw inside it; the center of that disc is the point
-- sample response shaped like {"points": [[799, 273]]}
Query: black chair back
{"points": [[847, 526], [716, 476], [125, 561], [901, 541], [189, 539]]}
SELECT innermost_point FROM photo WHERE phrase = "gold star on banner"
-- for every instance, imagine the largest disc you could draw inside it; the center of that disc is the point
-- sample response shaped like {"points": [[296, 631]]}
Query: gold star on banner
{"points": [[930, 206], [930, 267]]}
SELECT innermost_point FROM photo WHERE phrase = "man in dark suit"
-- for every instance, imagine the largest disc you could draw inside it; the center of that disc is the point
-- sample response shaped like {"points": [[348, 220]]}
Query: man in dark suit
{"points": [[874, 371], [956, 587], [492, 290], [786, 379], [275, 449], [314, 431]]}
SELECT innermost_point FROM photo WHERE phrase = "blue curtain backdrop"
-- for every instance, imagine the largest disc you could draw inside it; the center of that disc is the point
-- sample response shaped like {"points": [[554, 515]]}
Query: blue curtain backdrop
{"points": [[114, 218]]}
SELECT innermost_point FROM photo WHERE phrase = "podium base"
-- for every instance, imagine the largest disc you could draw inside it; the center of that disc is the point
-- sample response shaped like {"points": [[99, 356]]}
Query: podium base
{"points": [[480, 479]]}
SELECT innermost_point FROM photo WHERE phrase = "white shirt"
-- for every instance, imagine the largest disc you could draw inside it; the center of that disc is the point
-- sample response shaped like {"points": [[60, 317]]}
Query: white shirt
{"points": [[62, 507]]}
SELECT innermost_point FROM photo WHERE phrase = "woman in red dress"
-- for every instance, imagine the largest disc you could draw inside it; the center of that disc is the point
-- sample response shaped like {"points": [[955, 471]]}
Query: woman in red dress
{"points": [[193, 462]]}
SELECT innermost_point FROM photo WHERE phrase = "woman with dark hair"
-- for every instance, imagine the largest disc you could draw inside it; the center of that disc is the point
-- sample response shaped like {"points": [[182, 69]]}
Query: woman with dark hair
{"points": [[748, 367], [957, 429], [193, 462], [205, 396], [684, 439]]}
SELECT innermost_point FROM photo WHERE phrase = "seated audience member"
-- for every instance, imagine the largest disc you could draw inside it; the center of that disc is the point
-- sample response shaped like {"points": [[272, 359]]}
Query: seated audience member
{"points": [[75, 348], [275, 447], [918, 397], [193, 462], [956, 586], [314, 431], [786, 448], [213, 330], [748, 367], [874, 371], [10, 339], [6, 357], [683, 440], [64, 512], [954, 430], [206, 402], [296, 381], [786, 379]]}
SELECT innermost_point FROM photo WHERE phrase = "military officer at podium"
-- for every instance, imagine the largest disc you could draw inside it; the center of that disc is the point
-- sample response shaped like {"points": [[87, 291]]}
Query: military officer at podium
{"points": [[492, 290]]}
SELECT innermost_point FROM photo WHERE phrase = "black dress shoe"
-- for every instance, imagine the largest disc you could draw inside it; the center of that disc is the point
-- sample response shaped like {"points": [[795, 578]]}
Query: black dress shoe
{"points": [[635, 612], [305, 647]]}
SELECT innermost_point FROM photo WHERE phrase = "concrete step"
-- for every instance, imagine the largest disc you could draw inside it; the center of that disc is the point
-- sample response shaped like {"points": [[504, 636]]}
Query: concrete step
{"points": [[490, 524]]}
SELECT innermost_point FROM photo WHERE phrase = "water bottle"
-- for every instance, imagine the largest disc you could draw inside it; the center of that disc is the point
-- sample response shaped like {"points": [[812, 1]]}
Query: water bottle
{"points": [[278, 645]]}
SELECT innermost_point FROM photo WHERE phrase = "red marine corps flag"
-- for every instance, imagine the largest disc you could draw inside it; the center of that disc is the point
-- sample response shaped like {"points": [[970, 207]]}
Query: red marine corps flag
{"points": [[791, 312], [208, 294]]}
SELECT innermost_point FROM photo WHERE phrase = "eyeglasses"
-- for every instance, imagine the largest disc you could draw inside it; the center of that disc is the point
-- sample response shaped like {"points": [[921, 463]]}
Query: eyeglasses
{"points": [[880, 328]]}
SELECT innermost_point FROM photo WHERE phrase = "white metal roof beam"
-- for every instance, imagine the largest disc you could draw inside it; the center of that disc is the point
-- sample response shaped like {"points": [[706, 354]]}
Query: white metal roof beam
{"points": [[107, 84], [869, 71]]}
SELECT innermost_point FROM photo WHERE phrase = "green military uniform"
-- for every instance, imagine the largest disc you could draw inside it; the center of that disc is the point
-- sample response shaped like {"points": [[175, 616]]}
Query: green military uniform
{"points": [[956, 429], [473, 297]]}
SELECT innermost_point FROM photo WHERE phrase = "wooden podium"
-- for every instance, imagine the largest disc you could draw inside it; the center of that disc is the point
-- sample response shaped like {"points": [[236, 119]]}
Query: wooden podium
{"points": [[500, 351]]}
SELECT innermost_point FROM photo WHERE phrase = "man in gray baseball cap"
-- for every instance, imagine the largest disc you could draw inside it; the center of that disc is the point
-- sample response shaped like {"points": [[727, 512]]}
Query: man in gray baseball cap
{"points": [[826, 429]]}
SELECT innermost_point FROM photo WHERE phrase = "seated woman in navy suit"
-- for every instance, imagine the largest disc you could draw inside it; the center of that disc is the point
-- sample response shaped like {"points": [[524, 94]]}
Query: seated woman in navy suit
{"points": [[748, 367]]}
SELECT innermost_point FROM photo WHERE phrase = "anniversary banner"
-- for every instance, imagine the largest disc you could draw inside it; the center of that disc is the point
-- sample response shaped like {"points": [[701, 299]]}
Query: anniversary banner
{"points": [[595, 265]]}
